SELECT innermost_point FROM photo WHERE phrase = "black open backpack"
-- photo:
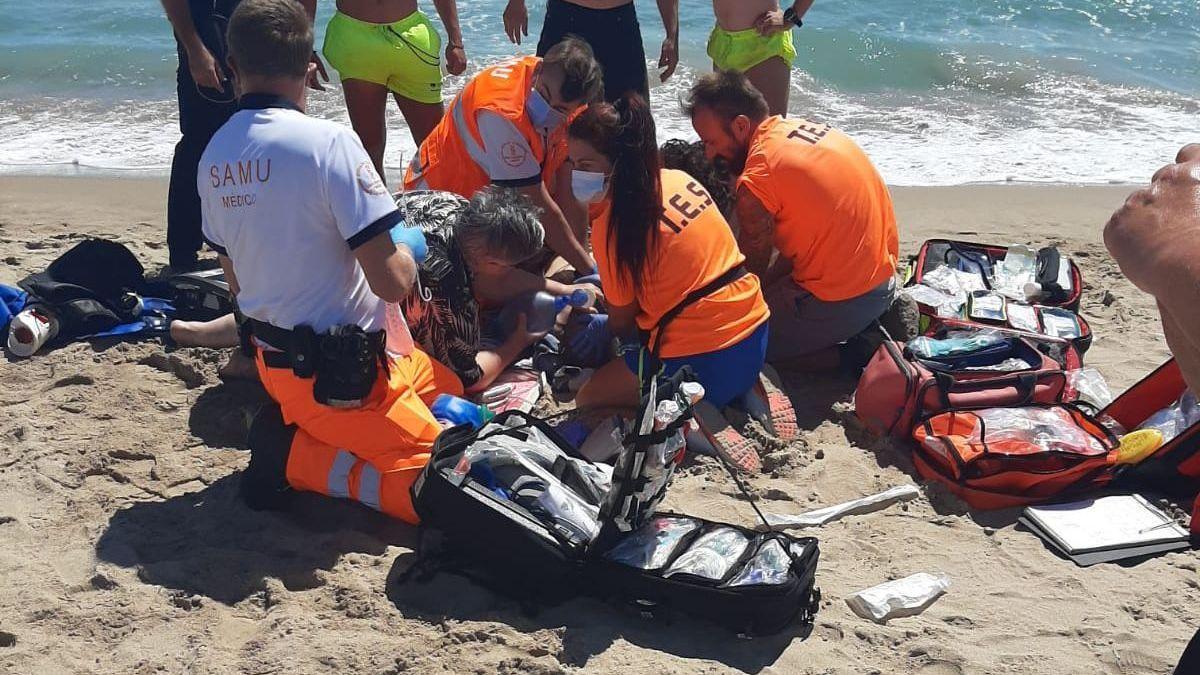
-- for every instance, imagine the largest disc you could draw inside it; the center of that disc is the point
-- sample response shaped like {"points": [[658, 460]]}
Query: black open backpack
{"points": [[469, 529]]}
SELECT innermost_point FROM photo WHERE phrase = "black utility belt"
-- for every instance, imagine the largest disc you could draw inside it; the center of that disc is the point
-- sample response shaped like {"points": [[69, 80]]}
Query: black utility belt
{"points": [[344, 362]]}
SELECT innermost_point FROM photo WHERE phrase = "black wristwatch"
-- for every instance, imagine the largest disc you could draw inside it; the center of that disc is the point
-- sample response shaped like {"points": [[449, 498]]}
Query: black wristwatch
{"points": [[789, 14]]}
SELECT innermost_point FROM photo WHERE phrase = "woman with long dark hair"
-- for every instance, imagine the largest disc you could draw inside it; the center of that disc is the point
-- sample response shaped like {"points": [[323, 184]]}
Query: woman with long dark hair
{"points": [[658, 238]]}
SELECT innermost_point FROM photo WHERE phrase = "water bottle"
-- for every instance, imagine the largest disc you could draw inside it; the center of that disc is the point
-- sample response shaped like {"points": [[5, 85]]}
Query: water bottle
{"points": [[31, 328], [582, 298], [543, 308], [454, 411]]}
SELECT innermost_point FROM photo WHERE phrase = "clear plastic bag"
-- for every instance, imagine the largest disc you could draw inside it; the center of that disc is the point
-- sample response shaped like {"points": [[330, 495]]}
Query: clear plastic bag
{"points": [[712, 555], [1010, 365], [768, 567], [518, 468], [651, 545], [954, 282], [955, 343], [946, 289], [1175, 418], [902, 597], [1019, 267], [565, 508], [1051, 429], [944, 303], [1023, 317], [1090, 387], [1060, 323]]}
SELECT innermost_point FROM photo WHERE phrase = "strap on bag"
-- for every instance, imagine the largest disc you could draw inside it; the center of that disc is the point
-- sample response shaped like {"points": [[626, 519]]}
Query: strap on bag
{"points": [[730, 276], [1026, 385]]}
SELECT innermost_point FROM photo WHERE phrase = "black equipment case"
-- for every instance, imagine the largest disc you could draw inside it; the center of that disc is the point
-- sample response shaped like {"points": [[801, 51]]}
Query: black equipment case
{"points": [[505, 546]]}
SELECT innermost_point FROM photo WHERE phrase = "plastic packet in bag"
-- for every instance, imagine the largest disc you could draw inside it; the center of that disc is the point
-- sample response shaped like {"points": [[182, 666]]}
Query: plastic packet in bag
{"points": [[712, 555], [1175, 418], [902, 597], [569, 511], [1023, 317], [945, 303], [1009, 365], [650, 546], [1051, 429], [953, 281], [1090, 387], [954, 343], [768, 567]]}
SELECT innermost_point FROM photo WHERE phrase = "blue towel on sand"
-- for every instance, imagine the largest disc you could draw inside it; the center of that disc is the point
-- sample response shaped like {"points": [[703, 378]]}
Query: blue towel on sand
{"points": [[12, 301]]}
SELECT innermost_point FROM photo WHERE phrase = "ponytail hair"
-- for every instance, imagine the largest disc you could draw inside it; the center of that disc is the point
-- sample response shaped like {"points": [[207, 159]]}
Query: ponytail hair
{"points": [[624, 133]]}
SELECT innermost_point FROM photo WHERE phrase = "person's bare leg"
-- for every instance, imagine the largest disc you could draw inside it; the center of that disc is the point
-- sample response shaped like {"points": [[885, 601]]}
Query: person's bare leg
{"points": [[772, 78], [217, 334], [421, 117], [612, 386], [238, 367], [367, 104]]}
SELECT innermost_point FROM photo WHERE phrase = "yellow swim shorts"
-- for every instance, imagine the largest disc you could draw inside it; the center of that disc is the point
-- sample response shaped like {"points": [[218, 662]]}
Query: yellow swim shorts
{"points": [[404, 56], [741, 50]]}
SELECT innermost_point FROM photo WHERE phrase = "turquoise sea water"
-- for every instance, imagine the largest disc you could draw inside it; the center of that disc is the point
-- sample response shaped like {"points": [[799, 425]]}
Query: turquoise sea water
{"points": [[938, 91]]}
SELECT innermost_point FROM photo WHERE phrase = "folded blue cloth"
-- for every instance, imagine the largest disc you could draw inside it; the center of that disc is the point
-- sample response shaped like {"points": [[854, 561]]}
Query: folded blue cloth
{"points": [[12, 301]]}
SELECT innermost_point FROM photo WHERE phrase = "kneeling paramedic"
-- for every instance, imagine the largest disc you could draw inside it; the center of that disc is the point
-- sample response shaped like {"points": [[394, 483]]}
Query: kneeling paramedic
{"points": [[303, 225], [507, 128]]}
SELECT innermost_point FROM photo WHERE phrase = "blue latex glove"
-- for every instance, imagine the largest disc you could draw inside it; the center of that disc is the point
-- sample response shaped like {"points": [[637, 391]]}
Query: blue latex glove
{"points": [[591, 342], [413, 238], [593, 279]]}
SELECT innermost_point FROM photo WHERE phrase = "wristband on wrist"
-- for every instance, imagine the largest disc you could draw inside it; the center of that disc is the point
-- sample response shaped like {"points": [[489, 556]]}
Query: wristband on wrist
{"points": [[789, 15]]}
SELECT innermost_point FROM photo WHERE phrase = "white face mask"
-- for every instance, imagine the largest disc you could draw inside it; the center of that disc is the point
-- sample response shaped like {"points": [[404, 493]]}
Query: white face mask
{"points": [[587, 186], [541, 114]]}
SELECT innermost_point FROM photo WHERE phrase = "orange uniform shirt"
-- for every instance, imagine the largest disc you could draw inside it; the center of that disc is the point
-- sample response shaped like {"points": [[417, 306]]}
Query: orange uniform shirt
{"points": [[833, 214], [456, 156], [694, 247]]}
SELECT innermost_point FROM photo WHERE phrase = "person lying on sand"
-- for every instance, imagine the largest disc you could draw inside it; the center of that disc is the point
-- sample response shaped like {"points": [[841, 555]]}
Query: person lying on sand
{"points": [[360, 399], [474, 250], [1155, 238], [808, 191]]}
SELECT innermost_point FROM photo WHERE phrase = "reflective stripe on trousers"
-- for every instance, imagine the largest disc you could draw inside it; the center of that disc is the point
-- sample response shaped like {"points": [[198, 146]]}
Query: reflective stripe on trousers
{"points": [[365, 489], [314, 466]]}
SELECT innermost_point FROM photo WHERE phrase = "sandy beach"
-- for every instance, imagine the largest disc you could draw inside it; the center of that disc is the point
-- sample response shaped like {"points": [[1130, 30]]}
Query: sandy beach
{"points": [[124, 547]]}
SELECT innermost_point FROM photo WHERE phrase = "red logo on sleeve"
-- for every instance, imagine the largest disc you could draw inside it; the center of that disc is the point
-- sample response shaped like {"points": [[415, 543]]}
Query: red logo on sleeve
{"points": [[514, 154], [369, 180]]}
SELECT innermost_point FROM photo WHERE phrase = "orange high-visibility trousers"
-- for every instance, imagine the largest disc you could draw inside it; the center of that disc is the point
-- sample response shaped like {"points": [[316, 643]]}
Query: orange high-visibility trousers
{"points": [[372, 453]]}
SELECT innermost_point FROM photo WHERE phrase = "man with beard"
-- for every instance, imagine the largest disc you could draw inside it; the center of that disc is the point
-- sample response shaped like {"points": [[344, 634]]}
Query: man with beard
{"points": [[807, 192]]}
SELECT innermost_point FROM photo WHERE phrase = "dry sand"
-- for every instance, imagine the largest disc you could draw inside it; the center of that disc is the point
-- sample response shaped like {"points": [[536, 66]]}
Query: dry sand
{"points": [[123, 547]]}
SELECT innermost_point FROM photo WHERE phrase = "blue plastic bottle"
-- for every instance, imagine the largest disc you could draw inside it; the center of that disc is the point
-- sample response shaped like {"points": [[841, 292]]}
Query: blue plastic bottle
{"points": [[543, 308], [455, 410]]}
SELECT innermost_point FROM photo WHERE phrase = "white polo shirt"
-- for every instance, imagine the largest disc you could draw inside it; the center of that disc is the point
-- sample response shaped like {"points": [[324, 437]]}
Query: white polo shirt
{"points": [[287, 198]]}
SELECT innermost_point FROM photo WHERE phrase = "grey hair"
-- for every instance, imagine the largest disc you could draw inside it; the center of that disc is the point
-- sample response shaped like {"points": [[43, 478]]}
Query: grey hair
{"points": [[500, 223]]}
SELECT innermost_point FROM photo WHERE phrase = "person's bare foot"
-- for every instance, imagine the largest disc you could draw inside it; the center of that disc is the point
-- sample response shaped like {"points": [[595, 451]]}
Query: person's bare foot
{"points": [[239, 367]]}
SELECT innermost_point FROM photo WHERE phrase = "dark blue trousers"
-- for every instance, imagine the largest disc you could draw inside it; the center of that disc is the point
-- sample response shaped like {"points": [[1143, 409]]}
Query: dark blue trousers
{"points": [[201, 112]]}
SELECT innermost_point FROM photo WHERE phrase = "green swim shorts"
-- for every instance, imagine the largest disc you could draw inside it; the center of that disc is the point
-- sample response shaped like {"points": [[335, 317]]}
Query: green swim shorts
{"points": [[404, 56], [743, 49]]}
